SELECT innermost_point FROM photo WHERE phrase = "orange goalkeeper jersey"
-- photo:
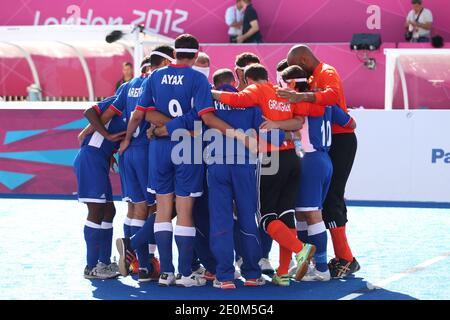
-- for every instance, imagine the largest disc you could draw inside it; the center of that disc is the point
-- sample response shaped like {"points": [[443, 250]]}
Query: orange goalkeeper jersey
{"points": [[272, 106]]}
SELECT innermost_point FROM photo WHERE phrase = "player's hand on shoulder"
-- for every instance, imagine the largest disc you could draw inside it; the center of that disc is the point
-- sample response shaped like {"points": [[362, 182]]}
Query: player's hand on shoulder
{"points": [[287, 93]]}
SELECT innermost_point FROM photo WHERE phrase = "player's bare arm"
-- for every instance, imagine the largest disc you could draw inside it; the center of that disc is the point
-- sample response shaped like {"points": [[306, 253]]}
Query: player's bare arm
{"points": [[97, 123], [287, 125], [136, 118], [213, 122], [157, 118], [296, 97]]}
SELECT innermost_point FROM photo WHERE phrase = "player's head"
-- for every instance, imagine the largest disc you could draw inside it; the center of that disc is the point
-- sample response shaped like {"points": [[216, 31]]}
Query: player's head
{"points": [[186, 48], [295, 78], [146, 64], [161, 56], [222, 77], [282, 65], [127, 70], [301, 55], [256, 73], [203, 64], [243, 60]]}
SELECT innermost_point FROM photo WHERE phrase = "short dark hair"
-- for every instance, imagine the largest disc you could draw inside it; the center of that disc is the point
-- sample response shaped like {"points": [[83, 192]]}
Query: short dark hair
{"points": [[156, 60], [146, 60], [416, 2], [128, 64], [256, 72], [203, 58], [282, 65], [246, 58], [296, 72], [186, 41], [223, 76]]}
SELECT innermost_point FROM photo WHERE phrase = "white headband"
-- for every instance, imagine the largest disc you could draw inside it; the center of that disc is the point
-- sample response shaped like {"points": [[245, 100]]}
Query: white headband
{"points": [[157, 53], [145, 65], [186, 50], [299, 80]]}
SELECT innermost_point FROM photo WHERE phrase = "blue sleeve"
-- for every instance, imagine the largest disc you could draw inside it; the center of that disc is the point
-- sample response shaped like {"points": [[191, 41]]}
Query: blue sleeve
{"points": [[120, 103], [186, 121], [203, 101], [146, 101], [339, 116], [119, 90], [106, 103], [266, 135]]}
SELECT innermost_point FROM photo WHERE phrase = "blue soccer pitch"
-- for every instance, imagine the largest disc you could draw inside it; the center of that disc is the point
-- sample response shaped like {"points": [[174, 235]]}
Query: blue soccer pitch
{"points": [[404, 254]]}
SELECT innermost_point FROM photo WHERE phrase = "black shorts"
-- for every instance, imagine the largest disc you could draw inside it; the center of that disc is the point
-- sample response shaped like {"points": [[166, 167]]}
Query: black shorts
{"points": [[342, 154], [278, 192]]}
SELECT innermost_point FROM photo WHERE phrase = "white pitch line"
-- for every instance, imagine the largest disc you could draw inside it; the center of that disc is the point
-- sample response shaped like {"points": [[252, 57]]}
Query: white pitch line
{"points": [[400, 275]]}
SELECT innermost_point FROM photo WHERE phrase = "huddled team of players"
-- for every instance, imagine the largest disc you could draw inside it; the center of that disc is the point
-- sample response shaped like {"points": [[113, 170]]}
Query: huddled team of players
{"points": [[230, 203]]}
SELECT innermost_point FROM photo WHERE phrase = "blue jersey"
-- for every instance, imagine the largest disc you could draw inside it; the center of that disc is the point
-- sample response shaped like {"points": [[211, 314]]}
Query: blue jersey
{"points": [[126, 103], [316, 132], [115, 125], [175, 90]]}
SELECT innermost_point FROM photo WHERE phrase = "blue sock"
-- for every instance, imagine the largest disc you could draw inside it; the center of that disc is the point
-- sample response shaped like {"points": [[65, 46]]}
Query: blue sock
{"points": [[151, 234], [139, 243], [106, 243], [127, 228], [163, 237], [302, 231], [92, 235], [317, 234], [266, 243], [184, 237]]}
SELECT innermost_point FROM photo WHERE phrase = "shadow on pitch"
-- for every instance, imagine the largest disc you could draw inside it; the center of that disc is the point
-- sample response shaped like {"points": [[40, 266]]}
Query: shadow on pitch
{"points": [[130, 289]]}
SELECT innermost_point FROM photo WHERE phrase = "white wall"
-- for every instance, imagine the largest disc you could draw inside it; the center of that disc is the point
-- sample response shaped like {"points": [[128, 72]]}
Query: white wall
{"points": [[394, 158]]}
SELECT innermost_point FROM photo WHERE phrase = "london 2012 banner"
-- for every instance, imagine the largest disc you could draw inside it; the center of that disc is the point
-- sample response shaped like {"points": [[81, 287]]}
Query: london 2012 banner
{"points": [[281, 21]]}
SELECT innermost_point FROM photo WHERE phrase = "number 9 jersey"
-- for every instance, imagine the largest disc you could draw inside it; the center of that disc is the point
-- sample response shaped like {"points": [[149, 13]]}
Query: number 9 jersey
{"points": [[175, 91]]}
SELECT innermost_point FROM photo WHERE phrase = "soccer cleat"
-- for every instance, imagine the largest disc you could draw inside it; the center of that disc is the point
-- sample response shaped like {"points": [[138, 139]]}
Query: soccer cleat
{"points": [[342, 268], [101, 271], [283, 281], [315, 275], [209, 276], [194, 280], [144, 275], [126, 255], [166, 279], [156, 268], [255, 282], [303, 258], [225, 285], [114, 266], [200, 271], [134, 266], [266, 267]]}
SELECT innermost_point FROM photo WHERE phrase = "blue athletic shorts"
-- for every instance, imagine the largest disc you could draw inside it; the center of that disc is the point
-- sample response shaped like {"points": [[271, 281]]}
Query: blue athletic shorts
{"points": [[316, 172]]}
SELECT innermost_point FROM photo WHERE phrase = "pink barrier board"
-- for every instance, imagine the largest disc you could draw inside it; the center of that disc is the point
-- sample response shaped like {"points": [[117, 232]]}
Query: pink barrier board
{"points": [[37, 149], [281, 21]]}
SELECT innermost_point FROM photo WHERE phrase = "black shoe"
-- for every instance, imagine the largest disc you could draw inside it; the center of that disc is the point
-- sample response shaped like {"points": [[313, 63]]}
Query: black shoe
{"points": [[126, 255], [144, 275], [343, 268]]}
